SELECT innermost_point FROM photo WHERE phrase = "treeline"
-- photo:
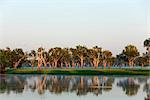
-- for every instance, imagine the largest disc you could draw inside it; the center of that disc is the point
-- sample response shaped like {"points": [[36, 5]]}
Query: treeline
{"points": [[80, 56]]}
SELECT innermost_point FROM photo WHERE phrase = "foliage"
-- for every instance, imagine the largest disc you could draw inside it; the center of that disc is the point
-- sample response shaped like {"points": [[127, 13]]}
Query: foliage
{"points": [[80, 56], [131, 51]]}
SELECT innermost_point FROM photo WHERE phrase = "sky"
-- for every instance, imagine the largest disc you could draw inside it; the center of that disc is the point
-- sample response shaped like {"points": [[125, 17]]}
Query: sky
{"points": [[110, 24]]}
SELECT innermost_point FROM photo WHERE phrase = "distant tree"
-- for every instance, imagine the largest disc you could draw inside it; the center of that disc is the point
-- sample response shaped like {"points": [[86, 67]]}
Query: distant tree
{"points": [[106, 56], [5, 60], [147, 44], [74, 56], [131, 52], [55, 54], [66, 58], [121, 59], [11, 58], [81, 52], [95, 55], [32, 56], [18, 57], [140, 61]]}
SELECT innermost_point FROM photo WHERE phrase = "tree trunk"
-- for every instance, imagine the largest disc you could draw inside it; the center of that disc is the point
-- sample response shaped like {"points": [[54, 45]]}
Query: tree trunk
{"points": [[131, 62], [104, 64], [55, 63], [33, 61], [109, 64], [61, 65], [97, 62], [17, 63], [69, 64], [73, 64], [91, 63], [43, 60], [32, 64], [94, 62], [81, 58], [2, 68], [39, 64], [79, 65], [66, 64], [142, 65]]}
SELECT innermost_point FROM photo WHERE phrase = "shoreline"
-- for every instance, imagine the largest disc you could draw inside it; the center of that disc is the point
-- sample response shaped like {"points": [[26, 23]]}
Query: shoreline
{"points": [[71, 71]]}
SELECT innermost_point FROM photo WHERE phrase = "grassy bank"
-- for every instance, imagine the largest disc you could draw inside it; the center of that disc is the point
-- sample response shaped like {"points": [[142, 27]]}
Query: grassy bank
{"points": [[82, 71]]}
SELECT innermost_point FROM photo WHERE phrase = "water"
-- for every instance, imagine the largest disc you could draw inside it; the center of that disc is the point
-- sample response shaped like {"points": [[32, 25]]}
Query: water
{"points": [[68, 87]]}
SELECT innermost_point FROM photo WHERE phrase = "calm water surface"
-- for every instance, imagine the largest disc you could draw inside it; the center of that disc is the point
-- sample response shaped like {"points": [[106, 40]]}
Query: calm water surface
{"points": [[68, 87]]}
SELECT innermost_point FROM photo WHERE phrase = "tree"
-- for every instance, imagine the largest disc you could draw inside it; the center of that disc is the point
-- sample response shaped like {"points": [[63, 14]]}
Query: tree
{"points": [[12, 58], [5, 60], [41, 57], [18, 57], [111, 61], [66, 58], [32, 56], [147, 45], [121, 59], [81, 52], [95, 55], [106, 56], [55, 54], [140, 61], [131, 52], [73, 55]]}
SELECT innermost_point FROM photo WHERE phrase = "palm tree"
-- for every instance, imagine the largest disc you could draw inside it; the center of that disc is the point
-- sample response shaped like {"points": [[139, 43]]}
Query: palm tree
{"points": [[106, 55], [131, 52], [81, 52]]}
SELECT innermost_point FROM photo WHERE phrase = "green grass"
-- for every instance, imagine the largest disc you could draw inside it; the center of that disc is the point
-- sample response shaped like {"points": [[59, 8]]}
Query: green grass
{"points": [[82, 71]]}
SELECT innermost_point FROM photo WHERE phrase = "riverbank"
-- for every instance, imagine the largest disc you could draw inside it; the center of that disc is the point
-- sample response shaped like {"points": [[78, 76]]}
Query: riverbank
{"points": [[81, 71]]}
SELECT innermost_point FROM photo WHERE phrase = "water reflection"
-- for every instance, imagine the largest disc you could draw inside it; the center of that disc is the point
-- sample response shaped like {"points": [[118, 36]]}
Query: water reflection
{"points": [[129, 86], [81, 85], [147, 90]]}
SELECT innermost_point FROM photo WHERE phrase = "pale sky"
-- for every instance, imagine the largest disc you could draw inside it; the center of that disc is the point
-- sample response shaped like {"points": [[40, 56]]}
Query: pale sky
{"points": [[110, 24]]}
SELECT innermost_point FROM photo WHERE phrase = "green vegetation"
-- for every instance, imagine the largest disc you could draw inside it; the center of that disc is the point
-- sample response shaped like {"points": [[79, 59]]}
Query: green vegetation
{"points": [[85, 71], [80, 56]]}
